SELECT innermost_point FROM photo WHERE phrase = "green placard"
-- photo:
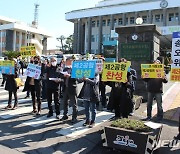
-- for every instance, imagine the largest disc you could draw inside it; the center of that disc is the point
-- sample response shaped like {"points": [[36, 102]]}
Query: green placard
{"points": [[136, 51]]}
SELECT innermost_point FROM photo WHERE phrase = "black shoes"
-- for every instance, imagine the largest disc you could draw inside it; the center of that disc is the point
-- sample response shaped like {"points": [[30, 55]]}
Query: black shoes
{"points": [[147, 119], [65, 117], [49, 115], [92, 124], [58, 117], [74, 120], [87, 122], [8, 107]]}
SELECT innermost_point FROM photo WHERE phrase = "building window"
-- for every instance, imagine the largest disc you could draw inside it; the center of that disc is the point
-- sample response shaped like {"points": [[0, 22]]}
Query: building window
{"points": [[97, 38], [104, 23], [93, 23], [127, 21], [177, 16], [97, 23], [115, 22], [120, 21], [144, 19], [157, 18], [132, 20], [162, 17], [108, 22], [103, 37], [92, 38], [171, 16]]}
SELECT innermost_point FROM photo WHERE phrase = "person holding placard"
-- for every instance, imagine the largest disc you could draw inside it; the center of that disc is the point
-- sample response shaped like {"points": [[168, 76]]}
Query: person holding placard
{"points": [[155, 90], [12, 87], [34, 86], [70, 91], [90, 94]]}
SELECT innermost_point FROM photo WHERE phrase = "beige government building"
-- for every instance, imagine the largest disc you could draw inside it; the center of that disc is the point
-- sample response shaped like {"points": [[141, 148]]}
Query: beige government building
{"points": [[92, 26]]}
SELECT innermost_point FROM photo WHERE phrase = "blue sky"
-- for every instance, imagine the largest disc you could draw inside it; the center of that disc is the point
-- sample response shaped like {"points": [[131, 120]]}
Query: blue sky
{"points": [[51, 14]]}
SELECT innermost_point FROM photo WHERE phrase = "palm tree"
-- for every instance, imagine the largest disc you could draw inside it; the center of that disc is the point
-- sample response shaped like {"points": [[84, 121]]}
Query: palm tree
{"points": [[61, 39]]}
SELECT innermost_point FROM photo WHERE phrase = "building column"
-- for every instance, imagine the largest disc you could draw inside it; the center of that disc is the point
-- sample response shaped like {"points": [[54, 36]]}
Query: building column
{"points": [[14, 40], [124, 19], [150, 17], [164, 17], [82, 37], [20, 40], [75, 39], [89, 35], [100, 36], [178, 15], [79, 37], [25, 39], [111, 22]]}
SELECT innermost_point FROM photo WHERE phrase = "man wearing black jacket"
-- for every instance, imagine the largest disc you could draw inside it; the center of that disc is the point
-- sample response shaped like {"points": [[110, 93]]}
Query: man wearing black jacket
{"points": [[70, 91], [53, 82], [155, 90]]}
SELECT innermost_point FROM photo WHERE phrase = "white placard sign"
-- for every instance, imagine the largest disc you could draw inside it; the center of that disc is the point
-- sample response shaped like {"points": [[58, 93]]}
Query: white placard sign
{"points": [[33, 71]]}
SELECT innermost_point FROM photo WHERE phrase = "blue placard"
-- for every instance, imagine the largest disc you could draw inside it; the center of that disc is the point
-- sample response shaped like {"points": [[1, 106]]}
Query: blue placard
{"points": [[7, 70], [82, 69], [176, 34]]}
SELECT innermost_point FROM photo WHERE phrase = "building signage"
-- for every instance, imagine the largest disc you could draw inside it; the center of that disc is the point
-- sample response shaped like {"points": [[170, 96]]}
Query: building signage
{"points": [[168, 30], [136, 51], [33, 71], [82, 69], [175, 56], [152, 70], [27, 51], [7, 67], [116, 72]]}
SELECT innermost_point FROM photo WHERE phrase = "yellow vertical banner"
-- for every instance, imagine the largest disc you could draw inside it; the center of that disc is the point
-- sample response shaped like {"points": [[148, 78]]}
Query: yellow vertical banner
{"points": [[152, 70], [27, 51], [116, 72], [175, 74]]}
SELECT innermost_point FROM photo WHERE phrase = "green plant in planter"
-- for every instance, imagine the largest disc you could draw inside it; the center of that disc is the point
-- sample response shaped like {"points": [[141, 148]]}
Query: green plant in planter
{"points": [[131, 124]]}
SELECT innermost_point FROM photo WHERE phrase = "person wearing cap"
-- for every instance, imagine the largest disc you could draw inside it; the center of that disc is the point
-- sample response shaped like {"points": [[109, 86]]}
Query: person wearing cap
{"points": [[70, 91], [155, 90], [53, 82]]}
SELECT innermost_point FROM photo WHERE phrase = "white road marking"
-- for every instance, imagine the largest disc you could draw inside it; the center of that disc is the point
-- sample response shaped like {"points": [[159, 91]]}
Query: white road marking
{"points": [[77, 129], [21, 110], [4, 104], [43, 120]]}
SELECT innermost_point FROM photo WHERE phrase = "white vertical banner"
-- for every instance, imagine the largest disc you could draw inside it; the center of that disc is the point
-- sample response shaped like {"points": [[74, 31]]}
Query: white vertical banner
{"points": [[175, 56]]}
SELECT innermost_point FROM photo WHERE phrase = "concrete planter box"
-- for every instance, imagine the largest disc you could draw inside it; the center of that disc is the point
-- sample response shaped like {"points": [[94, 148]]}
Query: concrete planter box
{"points": [[129, 140]]}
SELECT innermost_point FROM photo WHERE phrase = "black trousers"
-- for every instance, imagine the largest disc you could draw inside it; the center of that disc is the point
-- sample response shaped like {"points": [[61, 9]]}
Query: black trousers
{"points": [[10, 98], [102, 89], [36, 94], [54, 92]]}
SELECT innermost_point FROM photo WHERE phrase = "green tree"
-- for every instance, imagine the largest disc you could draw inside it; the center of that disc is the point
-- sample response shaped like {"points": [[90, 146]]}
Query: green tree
{"points": [[11, 54], [69, 43]]}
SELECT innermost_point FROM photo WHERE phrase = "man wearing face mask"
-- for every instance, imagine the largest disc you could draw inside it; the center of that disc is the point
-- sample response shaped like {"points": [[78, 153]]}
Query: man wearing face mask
{"points": [[34, 86], [70, 91], [53, 82]]}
